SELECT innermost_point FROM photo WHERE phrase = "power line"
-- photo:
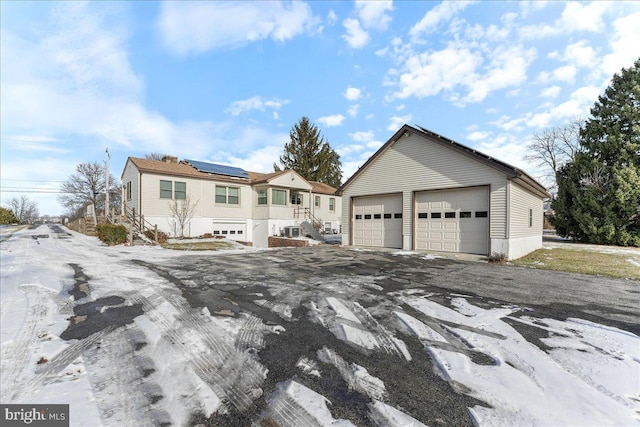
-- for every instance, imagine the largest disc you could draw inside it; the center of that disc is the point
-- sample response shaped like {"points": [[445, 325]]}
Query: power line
{"points": [[27, 180]]}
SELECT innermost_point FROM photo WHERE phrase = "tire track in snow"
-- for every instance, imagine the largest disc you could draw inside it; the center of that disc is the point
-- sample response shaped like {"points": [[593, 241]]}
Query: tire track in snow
{"points": [[16, 355], [122, 393], [234, 376]]}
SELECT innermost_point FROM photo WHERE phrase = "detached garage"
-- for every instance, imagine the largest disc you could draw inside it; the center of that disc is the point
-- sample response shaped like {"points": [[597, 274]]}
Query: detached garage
{"points": [[424, 191]]}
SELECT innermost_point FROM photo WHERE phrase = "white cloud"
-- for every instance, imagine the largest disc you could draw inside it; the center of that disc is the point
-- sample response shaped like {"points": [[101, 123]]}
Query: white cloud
{"points": [[355, 37], [362, 136], [565, 74], [255, 103], [331, 121], [576, 17], [332, 18], [624, 44], [259, 160], [352, 93], [580, 54], [457, 68], [196, 27], [582, 16], [443, 12], [428, 73], [551, 92], [347, 150], [353, 110], [508, 68], [372, 14], [477, 136], [396, 122]]}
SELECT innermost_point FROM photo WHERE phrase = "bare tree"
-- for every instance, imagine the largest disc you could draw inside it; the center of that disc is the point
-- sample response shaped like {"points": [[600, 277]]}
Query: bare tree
{"points": [[24, 209], [181, 212], [87, 187], [554, 147], [154, 156]]}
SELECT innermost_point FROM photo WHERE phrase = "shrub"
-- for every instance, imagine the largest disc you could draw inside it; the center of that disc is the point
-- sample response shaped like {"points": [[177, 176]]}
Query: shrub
{"points": [[112, 234], [498, 258], [162, 236]]}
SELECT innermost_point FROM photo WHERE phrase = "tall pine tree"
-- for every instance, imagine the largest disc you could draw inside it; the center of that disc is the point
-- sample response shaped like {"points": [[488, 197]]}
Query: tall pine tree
{"points": [[309, 154], [599, 192]]}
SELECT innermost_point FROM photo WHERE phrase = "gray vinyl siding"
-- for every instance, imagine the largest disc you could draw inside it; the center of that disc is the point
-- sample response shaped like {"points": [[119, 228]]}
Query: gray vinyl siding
{"points": [[415, 163], [520, 202]]}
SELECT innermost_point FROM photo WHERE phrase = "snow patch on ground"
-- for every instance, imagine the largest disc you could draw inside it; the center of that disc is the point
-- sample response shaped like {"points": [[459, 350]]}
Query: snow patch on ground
{"points": [[526, 386]]}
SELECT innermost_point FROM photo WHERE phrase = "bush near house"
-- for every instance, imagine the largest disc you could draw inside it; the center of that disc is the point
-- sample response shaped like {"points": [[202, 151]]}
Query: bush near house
{"points": [[112, 234], [162, 236]]}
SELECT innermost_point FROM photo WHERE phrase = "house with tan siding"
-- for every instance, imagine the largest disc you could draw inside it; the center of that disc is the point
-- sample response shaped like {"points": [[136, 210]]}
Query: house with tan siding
{"points": [[240, 205], [422, 191]]}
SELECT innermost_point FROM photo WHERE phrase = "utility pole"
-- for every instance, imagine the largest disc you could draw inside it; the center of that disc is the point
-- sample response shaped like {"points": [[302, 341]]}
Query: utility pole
{"points": [[106, 203]]}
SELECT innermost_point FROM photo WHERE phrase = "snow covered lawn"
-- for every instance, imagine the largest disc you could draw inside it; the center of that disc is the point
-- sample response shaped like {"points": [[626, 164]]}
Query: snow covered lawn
{"points": [[141, 336]]}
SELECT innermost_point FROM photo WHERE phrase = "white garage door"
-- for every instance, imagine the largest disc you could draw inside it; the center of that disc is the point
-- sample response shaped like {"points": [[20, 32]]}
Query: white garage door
{"points": [[377, 221], [453, 220], [234, 230]]}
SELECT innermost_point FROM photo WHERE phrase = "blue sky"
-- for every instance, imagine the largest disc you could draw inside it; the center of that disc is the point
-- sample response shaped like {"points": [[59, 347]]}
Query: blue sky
{"points": [[225, 82]]}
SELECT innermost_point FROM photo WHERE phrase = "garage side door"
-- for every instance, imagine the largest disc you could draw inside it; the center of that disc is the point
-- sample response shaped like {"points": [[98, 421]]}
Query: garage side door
{"points": [[453, 220], [377, 221]]}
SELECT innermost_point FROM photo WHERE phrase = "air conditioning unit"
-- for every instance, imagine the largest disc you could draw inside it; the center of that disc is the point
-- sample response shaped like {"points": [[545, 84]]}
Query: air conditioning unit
{"points": [[292, 231]]}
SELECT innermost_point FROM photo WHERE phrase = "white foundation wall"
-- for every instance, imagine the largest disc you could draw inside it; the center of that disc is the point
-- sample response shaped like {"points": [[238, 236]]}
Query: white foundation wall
{"points": [[516, 247], [263, 228], [202, 225]]}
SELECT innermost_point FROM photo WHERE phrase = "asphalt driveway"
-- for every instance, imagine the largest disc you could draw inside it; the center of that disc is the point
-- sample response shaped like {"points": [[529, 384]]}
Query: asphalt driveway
{"points": [[310, 337], [346, 300]]}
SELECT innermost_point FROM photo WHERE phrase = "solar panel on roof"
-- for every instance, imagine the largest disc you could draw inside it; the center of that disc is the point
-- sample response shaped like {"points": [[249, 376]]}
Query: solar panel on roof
{"points": [[218, 169]]}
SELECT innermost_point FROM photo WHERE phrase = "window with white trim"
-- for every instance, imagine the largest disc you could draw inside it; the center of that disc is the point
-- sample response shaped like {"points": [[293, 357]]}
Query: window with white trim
{"points": [[332, 204], [317, 201], [166, 189], [227, 195], [262, 197], [278, 197], [180, 190]]}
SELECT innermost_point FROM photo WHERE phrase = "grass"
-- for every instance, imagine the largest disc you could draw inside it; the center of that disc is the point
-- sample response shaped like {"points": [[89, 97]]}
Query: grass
{"points": [[198, 246], [582, 261]]}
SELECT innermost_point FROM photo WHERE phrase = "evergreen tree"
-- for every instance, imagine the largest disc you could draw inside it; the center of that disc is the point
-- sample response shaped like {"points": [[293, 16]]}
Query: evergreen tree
{"points": [[7, 216], [310, 155], [599, 191]]}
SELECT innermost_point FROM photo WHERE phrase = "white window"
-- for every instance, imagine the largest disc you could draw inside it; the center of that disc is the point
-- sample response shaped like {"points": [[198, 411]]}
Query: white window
{"points": [[332, 204], [129, 190], [317, 202], [227, 195], [530, 217], [165, 189], [180, 190], [278, 197], [262, 197]]}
